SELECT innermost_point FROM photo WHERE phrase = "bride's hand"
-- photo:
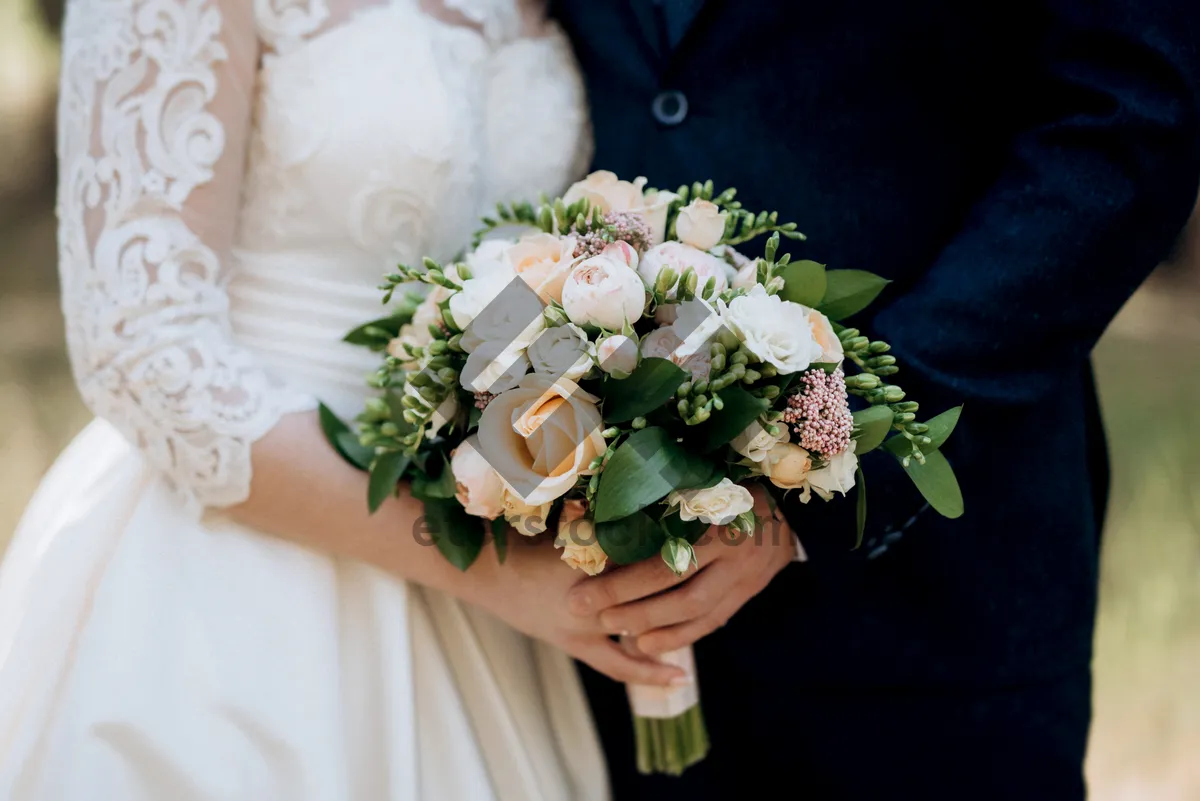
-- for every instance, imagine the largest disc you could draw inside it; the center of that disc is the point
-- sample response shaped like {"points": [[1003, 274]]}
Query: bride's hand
{"points": [[530, 591]]}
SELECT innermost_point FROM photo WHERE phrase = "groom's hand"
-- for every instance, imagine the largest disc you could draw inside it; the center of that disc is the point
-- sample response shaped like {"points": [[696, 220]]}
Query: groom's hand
{"points": [[663, 612]]}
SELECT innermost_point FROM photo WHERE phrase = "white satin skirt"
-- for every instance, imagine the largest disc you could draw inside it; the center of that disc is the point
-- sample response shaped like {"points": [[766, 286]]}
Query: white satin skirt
{"points": [[148, 656]]}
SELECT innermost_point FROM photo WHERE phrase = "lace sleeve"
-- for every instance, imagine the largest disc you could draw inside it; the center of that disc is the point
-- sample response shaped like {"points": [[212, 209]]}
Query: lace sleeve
{"points": [[153, 118]]}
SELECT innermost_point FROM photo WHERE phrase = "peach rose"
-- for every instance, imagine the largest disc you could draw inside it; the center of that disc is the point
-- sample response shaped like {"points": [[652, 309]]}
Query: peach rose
{"points": [[526, 519], [542, 436], [543, 261], [700, 224], [577, 538], [822, 331], [604, 190], [478, 486], [787, 466]]}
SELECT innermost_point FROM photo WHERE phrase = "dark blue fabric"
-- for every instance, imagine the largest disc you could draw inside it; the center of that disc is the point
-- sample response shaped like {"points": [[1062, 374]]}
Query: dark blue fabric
{"points": [[1017, 168]]}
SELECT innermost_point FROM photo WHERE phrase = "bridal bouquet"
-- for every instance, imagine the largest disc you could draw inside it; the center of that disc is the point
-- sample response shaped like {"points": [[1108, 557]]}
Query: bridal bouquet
{"points": [[609, 367]]}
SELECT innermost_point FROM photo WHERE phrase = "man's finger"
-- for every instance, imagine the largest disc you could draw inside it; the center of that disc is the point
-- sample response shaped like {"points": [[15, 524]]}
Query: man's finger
{"points": [[694, 598], [621, 586], [672, 638], [609, 658]]}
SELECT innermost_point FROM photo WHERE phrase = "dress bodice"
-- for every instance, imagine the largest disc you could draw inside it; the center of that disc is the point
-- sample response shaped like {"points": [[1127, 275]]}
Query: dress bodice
{"points": [[237, 175]]}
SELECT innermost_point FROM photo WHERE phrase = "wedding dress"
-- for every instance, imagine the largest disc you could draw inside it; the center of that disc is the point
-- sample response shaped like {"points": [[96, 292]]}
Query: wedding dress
{"points": [[236, 175]]}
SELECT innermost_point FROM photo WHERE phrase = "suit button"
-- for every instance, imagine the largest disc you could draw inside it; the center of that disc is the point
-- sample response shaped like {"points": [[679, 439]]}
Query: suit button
{"points": [[670, 108]]}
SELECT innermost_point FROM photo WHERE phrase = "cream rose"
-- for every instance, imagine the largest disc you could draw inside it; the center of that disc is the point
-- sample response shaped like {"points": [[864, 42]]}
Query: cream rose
{"points": [[491, 256], [617, 355], [717, 505], [679, 256], [528, 520], [787, 466], [543, 261], [581, 550], [475, 295], [700, 224], [755, 441], [604, 190], [561, 351], [836, 476], [603, 292], [822, 331], [664, 343], [478, 486], [494, 368], [542, 436], [773, 329]]}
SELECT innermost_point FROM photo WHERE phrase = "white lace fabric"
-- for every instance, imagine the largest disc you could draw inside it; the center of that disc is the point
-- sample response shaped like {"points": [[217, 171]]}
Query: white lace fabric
{"points": [[156, 116]]}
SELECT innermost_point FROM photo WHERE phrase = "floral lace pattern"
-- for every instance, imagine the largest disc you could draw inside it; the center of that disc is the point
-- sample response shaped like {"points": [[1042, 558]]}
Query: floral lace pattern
{"points": [[143, 291]]}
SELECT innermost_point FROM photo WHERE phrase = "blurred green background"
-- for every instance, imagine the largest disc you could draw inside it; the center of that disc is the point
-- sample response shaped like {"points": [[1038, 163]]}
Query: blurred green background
{"points": [[1146, 737]]}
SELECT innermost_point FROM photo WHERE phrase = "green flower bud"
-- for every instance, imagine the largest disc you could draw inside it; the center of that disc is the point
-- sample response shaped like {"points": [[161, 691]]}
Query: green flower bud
{"points": [[751, 376], [904, 417], [699, 400], [421, 379], [857, 344], [700, 387], [638, 423], [773, 430], [455, 343], [377, 409], [916, 428], [703, 414], [389, 429], [717, 403], [710, 286], [848, 334], [684, 409], [448, 376], [555, 316], [737, 371], [717, 363], [768, 371], [887, 371], [412, 418], [773, 416], [432, 395], [464, 272], [684, 389], [368, 439], [893, 394], [728, 339], [716, 349], [666, 279], [739, 357], [881, 361], [438, 362], [437, 347], [770, 392], [907, 406], [448, 319], [862, 381], [775, 285], [880, 347], [409, 402], [609, 433]]}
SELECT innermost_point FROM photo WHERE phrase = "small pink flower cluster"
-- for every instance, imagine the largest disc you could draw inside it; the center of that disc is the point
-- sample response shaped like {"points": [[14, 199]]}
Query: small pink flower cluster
{"points": [[620, 226], [818, 413], [482, 399]]}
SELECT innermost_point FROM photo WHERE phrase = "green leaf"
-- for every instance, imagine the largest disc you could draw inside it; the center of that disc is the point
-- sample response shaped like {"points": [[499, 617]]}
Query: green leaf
{"points": [[378, 333], [860, 481], [873, 424], [343, 439], [500, 538], [631, 539], [644, 469], [458, 535], [935, 479], [473, 418], [651, 384], [829, 367], [441, 487], [690, 530], [804, 283], [942, 426], [849, 292], [386, 472], [741, 409]]}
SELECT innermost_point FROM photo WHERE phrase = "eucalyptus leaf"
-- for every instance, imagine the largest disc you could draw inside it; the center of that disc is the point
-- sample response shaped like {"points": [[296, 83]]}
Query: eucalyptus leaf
{"points": [[741, 409], [630, 539], [386, 472], [935, 479], [860, 481], [458, 535], [850, 291], [644, 469], [804, 282], [652, 383], [873, 424], [344, 440], [942, 426]]}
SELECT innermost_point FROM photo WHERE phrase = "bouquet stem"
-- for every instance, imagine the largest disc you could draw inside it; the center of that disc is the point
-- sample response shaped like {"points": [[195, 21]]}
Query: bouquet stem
{"points": [[668, 723]]}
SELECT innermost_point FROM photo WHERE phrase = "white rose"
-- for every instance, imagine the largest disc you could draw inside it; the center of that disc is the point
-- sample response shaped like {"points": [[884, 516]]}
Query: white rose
{"points": [[773, 329], [543, 261], [836, 476], [605, 191], [664, 343], [679, 256], [696, 325], [494, 368], [755, 442], [717, 505], [476, 294], [822, 331], [526, 519], [478, 486], [617, 354], [700, 224], [561, 351], [603, 292], [491, 256], [787, 466], [542, 436], [577, 538]]}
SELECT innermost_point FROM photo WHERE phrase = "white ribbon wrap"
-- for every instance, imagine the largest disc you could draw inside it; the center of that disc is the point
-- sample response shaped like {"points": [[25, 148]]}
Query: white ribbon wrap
{"points": [[648, 701]]}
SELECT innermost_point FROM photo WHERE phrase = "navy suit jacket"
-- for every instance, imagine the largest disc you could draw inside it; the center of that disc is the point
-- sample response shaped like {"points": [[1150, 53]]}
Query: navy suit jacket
{"points": [[1016, 168]]}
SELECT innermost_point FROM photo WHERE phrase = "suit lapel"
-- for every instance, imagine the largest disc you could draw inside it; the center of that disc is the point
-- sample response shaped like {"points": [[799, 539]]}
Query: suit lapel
{"points": [[680, 16]]}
